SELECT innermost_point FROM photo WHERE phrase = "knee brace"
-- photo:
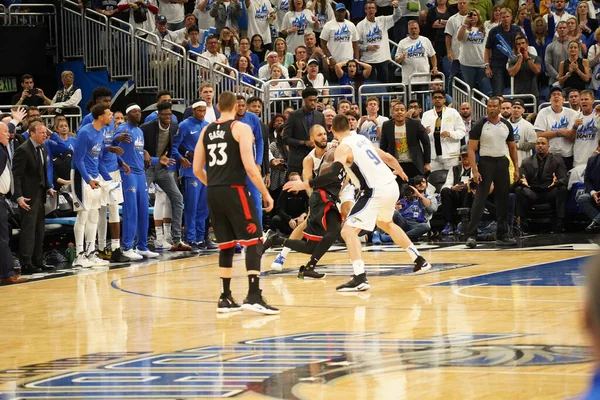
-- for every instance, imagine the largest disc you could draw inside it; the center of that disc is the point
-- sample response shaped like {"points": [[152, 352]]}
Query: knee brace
{"points": [[226, 257], [113, 213], [253, 256]]}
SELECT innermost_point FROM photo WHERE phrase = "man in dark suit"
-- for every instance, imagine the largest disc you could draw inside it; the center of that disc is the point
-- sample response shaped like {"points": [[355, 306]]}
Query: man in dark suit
{"points": [[31, 186], [7, 264], [12, 121], [543, 179], [295, 130], [590, 200], [158, 142], [407, 140]]}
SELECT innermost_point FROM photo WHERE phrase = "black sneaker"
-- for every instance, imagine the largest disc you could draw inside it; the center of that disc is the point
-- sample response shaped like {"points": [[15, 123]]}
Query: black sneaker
{"points": [[309, 273], [255, 302], [358, 283], [118, 257], [421, 265], [227, 304], [272, 239], [105, 254]]}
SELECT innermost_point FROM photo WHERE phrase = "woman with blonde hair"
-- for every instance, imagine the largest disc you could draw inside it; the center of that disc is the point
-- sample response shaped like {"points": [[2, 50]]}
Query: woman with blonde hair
{"points": [[283, 56], [586, 25], [574, 34]]}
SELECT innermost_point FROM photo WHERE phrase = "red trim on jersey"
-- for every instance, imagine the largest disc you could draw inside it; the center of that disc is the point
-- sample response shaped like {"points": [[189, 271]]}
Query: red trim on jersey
{"points": [[245, 207], [313, 238], [328, 205], [227, 245], [250, 242]]}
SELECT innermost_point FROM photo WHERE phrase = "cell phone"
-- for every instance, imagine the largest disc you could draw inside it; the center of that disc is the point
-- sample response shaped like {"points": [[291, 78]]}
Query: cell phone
{"points": [[470, 14], [33, 91]]}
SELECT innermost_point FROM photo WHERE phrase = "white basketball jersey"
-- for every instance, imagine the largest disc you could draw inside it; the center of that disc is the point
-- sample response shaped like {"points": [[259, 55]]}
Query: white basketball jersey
{"points": [[368, 170], [317, 160]]}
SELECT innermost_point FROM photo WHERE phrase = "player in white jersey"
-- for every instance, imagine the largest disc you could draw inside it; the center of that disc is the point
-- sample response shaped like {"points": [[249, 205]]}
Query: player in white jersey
{"points": [[369, 169]]}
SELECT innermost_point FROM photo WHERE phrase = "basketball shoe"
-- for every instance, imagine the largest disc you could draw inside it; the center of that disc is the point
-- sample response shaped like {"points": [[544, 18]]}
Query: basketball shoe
{"points": [[358, 283], [255, 302], [227, 304], [421, 265]]}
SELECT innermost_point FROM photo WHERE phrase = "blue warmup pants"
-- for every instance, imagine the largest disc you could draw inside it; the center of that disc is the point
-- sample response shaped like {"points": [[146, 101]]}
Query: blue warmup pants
{"points": [[135, 211], [257, 198], [195, 209]]}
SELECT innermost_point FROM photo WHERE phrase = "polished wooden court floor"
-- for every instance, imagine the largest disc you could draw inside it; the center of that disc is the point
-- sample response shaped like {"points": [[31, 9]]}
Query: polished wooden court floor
{"points": [[483, 324]]}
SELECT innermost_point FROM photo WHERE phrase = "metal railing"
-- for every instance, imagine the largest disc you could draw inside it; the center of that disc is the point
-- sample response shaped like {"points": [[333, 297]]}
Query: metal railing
{"points": [[35, 15], [147, 60], [224, 78], [423, 93], [385, 92], [95, 32], [3, 15], [529, 99], [169, 70], [196, 72], [461, 92], [277, 100], [73, 116], [478, 104], [250, 86], [120, 49], [71, 26]]}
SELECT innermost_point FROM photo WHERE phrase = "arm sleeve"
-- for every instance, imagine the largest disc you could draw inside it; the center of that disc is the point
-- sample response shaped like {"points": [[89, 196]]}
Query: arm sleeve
{"points": [[258, 141], [59, 146], [50, 163]]}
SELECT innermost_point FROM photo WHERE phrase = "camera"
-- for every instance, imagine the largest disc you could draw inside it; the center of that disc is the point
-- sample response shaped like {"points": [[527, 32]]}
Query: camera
{"points": [[472, 185], [33, 91], [470, 14]]}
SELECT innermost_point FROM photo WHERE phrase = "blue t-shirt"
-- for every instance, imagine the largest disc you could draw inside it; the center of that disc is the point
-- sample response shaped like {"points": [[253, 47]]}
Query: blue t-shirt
{"points": [[89, 145], [134, 151]]}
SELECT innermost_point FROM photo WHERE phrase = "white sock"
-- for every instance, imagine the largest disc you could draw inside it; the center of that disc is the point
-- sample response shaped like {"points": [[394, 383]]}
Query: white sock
{"points": [[115, 244], [167, 231], [159, 233], [102, 225], [285, 251], [412, 252], [358, 266], [91, 229], [79, 231]]}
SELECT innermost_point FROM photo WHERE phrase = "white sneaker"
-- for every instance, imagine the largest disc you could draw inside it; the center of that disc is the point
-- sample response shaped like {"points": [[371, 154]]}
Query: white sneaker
{"points": [[132, 255], [148, 253], [161, 244], [95, 260], [82, 262], [277, 264]]}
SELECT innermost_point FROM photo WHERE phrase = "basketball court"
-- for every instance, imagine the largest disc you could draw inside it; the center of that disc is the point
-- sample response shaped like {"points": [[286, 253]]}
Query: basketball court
{"points": [[481, 324]]}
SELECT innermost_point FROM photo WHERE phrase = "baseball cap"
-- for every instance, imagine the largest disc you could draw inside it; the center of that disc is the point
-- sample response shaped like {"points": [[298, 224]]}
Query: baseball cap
{"points": [[340, 6], [518, 102], [312, 61], [464, 149], [556, 88], [161, 19]]}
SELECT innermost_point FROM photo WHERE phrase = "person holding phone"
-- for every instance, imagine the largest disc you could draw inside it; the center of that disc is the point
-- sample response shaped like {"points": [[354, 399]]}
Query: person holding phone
{"points": [[30, 96]]}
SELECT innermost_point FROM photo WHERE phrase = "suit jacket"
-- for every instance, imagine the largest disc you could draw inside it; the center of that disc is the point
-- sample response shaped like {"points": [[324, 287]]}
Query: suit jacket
{"points": [[419, 146], [28, 173], [295, 131], [4, 162], [554, 165], [592, 174], [151, 137]]}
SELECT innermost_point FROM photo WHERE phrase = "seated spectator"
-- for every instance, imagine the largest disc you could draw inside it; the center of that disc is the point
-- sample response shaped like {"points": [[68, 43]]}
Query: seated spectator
{"points": [[213, 54], [543, 179], [313, 78], [291, 208], [298, 69], [455, 192], [343, 106], [68, 98], [286, 112], [278, 151], [281, 88], [329, 115], [590, 200], [353, 73], [137, 10], [283, 56], [30, 95], [446, 130], [370, 125], [162, 30], [229, 43], [193, 41], [525, 68], [244, 50], [313, 51], [574, 72], [258, 47], [415, 208], [264, 72], [352, 120]]}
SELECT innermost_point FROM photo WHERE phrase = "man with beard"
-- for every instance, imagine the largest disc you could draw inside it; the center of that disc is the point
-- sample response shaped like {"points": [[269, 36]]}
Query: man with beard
{"points": [[135, 204], [465, 114], [556, 124], [339, 38], [324, 222], [523, 131], [574, 99], [506, 109]]}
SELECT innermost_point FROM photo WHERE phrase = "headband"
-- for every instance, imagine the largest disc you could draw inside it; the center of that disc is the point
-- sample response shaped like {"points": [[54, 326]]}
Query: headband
{"points": [[199, 104], [132, 107]]}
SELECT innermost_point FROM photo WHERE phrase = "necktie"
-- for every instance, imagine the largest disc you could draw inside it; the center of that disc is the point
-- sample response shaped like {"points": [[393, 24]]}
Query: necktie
{"points": [[41, 153], [436, 135], [12, 181], [11, 149]]}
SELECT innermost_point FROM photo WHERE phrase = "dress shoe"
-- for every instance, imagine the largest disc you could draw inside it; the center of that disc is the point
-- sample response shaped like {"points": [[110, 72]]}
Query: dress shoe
{"points": [[471, 243], [594, 227], [506, 242], [13, 279], [30, 269], [46, 268]]}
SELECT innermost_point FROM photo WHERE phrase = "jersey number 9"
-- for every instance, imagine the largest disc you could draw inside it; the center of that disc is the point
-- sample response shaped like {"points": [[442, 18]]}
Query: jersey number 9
{"points": [[373, 156]]}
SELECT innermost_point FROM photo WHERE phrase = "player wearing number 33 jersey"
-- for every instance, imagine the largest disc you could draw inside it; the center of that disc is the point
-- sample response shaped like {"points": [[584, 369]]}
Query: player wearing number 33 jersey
{"points": [[225, 147]]}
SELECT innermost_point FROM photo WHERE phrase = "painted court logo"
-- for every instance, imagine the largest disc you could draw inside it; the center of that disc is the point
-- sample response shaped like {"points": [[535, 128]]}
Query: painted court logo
{"points": [[281, 362]]}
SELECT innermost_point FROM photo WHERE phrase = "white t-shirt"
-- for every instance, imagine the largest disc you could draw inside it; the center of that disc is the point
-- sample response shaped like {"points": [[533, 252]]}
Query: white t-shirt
{"points": [[319, 81], [473, 48], [174, 12], [452, 27], [264, 72], [283, 6], [205, 21], [149, 24], [558, 19], [369, 129], [277, 90], [375, 33], [417, 57], [548, 120], [586, 140], [340, 36], [523, 133], [258, 19], [210, 116], [304, 21], [323, 15]]}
